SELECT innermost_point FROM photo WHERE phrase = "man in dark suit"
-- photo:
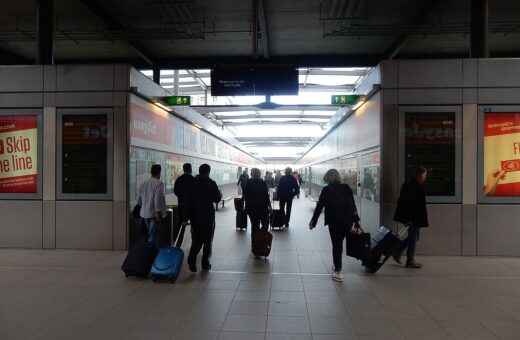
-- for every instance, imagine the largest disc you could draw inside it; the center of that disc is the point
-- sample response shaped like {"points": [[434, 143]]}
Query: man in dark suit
{"points": [[200, 203], [286, 190], [411, 211], [180, 189]]}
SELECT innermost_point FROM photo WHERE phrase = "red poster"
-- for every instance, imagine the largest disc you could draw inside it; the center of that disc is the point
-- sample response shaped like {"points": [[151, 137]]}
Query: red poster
{"points": [[502, 154], [18, 154]]}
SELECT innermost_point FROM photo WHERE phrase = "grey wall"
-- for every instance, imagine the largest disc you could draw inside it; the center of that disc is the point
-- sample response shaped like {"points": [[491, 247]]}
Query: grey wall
{"points": [[51, 223], [468, 227]]}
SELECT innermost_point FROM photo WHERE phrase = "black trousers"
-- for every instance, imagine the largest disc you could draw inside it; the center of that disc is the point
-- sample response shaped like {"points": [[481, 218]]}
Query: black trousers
{"points": [[287, 212], [337, 235], [201, 237]]}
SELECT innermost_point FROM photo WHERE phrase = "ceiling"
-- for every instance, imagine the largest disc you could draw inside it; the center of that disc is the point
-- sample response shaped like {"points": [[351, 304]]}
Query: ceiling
{"points": [[305, 32], [194, 36]]}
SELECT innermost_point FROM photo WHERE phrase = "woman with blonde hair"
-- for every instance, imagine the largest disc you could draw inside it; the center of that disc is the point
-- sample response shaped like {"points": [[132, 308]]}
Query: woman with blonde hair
{"points": [[340, 215], [258, 204]]}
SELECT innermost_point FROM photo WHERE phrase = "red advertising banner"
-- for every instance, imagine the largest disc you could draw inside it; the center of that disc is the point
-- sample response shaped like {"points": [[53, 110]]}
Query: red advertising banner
{"points": [[502, 154], [18, 154]]}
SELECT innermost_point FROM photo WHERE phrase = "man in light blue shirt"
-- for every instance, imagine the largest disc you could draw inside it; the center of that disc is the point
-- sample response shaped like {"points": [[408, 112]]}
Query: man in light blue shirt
{"points": [[153, 203]]}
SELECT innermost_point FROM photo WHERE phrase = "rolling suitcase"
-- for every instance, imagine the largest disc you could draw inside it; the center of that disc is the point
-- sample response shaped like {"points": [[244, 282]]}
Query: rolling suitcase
{"points": [[277, 219], [139, 259], [239, 204], [168, 263], [383, 244], [241, 222], [262, 241]]}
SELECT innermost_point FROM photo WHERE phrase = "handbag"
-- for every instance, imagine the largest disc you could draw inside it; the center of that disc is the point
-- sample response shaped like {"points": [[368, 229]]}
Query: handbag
{"points": [[358, 243], [136, 212]]}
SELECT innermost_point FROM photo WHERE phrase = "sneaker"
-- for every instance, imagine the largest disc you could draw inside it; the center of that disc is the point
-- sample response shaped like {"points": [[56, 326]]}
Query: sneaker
{"points": [[338, 276], [413, 265], [397, 258]]}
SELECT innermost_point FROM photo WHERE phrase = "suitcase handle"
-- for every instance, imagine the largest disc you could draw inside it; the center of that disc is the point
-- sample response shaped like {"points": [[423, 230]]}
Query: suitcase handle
{"points": [[180, 236]]}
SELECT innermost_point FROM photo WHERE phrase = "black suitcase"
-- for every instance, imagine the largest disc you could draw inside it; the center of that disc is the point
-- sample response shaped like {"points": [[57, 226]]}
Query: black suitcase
{"points": [[383, 244], [139, 259], [241, 220], [262, 242], [239, 204], [277, 219]]}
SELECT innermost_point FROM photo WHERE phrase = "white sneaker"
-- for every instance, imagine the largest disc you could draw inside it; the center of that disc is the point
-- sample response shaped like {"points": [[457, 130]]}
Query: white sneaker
{"points": [[338, 276]]}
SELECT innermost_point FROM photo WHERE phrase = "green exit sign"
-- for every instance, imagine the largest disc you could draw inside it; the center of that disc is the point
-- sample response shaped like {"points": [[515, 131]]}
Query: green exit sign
{"points": [[176, 100], [344, 99]]}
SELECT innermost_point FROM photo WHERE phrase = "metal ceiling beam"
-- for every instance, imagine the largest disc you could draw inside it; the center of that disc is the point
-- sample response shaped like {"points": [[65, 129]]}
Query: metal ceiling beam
{"points": [[278, 139], [278, 145], [303, 122], [263, 116], [114, 25], [195, 77], [397, 45], [238, 108], [10, 58], [262, 20]]}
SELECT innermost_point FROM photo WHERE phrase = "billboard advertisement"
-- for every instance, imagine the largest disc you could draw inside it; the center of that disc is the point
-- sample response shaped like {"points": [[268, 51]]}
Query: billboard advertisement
{"points": [[430, 142], [18, 153], [501, 154], [84, 154]]}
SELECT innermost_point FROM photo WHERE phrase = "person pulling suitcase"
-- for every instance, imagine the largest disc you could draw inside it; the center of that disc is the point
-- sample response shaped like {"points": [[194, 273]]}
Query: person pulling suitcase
{"points": [[340, 215]]}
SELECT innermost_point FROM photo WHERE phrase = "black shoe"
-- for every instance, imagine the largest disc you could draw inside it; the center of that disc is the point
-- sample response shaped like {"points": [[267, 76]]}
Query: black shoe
{"points": [[206, 267], [397, 258], [193, 267]]}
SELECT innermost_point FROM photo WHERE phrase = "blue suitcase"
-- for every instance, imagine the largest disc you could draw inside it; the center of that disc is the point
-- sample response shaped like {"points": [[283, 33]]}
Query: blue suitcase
{"points": [[168, 263]]}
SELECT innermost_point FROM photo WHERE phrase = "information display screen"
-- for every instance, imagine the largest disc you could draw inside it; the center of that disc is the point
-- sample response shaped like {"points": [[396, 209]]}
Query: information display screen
{"points": [[430, 142], [501, 154], [18, 153], [84, 154]]}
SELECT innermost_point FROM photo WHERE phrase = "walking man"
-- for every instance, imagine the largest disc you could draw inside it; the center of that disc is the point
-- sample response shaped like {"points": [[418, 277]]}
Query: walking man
{"points": [[201, 199], [411, 211], [286, 190], [242, 181], [180, 189], [153, 202]]}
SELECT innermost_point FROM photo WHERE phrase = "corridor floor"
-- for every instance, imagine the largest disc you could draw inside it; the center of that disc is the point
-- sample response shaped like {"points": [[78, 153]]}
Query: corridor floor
{"points": [[73, 294]]}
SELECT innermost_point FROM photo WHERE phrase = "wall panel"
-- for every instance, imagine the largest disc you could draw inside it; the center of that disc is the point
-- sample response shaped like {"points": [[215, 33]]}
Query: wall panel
{"points": [[84, 224], [21, 225], [498, 230]]}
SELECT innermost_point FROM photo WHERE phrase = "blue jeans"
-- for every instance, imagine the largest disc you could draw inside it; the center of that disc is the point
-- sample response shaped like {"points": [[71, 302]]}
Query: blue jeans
{"points": [[411, 241], [152, 225]]}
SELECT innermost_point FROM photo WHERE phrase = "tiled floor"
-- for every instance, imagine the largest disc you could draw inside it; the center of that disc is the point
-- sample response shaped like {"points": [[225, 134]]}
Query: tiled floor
{"points": [[67, 294]]}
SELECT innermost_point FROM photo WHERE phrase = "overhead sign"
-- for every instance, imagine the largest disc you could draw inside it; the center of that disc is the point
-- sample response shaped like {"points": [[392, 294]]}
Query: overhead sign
{"points": [[18, 154], [176, 100], [250, 81], [346, 99]]}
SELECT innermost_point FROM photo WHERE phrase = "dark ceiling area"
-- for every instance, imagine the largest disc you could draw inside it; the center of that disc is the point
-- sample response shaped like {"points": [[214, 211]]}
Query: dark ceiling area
{"points": [[202, 33]]}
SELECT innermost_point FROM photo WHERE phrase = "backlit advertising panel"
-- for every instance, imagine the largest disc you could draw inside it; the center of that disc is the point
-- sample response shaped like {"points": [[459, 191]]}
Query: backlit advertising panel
{"points": [[84, 154], [430, 142], [501, 175], [18, 153]]}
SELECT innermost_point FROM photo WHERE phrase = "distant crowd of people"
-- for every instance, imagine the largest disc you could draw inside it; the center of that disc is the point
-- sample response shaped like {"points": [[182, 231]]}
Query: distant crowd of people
{"points": [[198, 194]]}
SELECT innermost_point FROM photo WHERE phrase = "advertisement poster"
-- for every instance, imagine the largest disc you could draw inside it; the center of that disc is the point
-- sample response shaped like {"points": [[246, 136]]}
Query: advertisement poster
{"points": [[430, 142], [84, 154], [370, 181], [502, 154], [173, 171], [18, 154]]}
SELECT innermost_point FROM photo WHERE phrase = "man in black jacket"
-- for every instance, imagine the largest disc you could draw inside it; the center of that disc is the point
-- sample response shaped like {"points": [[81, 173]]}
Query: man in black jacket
{"points": [[242, 181], [286, 189], [181, 187], [200, 203], [411, 211]]}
